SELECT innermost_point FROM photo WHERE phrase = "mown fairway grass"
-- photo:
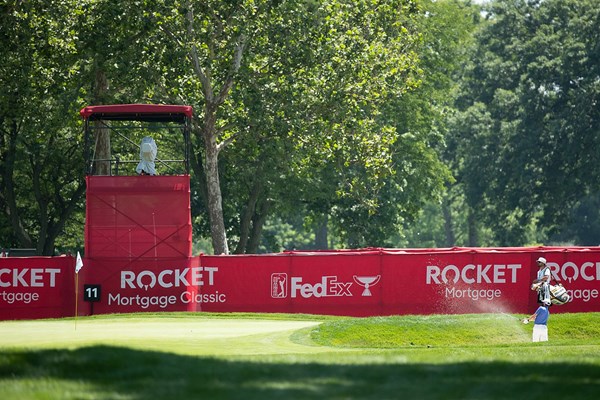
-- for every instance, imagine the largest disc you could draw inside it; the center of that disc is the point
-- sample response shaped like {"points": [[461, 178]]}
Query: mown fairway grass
{"points": [[258, 356]]}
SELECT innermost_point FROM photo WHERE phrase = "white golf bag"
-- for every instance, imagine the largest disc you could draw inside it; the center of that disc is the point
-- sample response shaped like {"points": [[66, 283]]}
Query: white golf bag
{"points": [[559, 295]]}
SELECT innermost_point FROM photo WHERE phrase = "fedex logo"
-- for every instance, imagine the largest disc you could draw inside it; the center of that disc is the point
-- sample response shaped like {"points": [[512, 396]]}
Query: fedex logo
{"points": [[328, 287]]}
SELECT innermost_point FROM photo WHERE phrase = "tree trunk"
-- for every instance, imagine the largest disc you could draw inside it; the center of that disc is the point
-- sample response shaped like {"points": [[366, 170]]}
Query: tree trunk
{"points": [[55, 227], [212, 101], [321, 233], [42, 201], [102, 133], [448, 228], [246, 218], [102, 152], [472, 229], [213, 185], [258, 222], [8, 194]]}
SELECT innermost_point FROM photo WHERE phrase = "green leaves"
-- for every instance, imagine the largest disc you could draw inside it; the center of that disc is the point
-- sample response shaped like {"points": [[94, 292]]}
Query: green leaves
{"points": [[327, 109], [305, 103], [38, 127], [532, 77]]}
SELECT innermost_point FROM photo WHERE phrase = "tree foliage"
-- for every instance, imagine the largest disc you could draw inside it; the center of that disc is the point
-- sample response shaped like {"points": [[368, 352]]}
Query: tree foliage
{"points": [[302, 107], [289, 97], [38, 142], [341, 118], [529, 124]]}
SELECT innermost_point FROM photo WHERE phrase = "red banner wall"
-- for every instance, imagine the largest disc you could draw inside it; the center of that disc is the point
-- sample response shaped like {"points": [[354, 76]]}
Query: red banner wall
{"points": [[37, 287], [412, 281], [139, 285], [355, 283]]}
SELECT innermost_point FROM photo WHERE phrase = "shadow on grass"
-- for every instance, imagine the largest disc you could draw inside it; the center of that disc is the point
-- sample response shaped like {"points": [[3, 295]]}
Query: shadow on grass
{"points": [[114, 372]]}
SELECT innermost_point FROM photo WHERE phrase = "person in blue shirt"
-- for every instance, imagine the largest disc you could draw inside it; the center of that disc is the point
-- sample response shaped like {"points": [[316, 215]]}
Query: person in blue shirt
{"points": [[540, 324]]}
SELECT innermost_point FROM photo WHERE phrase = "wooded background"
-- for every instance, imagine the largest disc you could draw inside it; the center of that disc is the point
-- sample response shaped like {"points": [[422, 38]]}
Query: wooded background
{"points": [[318, 123]]}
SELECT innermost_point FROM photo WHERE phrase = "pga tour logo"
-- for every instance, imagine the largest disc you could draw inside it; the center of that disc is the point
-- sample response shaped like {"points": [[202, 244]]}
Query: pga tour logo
{"points": [[329, 286]]}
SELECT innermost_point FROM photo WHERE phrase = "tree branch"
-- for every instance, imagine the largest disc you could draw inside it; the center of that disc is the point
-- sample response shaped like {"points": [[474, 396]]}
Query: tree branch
{"points": [[226, 142], [170, 34], [235, 66], [193, 55]]}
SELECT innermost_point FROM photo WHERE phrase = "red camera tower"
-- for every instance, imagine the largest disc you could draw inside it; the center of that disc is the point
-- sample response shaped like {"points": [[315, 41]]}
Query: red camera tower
{"points": [[137, 226]]}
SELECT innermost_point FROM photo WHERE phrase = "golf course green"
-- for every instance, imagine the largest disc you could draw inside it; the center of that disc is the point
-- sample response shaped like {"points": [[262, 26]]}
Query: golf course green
{"points": [[257, 356]]}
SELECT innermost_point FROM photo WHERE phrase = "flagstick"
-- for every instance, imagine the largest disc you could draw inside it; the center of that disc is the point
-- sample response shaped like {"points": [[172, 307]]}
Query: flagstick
{"points": [[78, 266], [76, 296]]}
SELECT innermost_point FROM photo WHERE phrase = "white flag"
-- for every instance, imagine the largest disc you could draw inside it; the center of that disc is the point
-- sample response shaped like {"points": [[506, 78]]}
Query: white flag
{"points": [[78, 263]]}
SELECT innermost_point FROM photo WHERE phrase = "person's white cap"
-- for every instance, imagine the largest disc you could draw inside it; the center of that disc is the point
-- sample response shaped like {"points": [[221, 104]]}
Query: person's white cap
{"points": [[542, 260]]}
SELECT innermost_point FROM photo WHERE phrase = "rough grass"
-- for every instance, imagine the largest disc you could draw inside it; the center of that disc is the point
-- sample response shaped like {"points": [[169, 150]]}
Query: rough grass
{"points": [[251, 356], [452, 330]]}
